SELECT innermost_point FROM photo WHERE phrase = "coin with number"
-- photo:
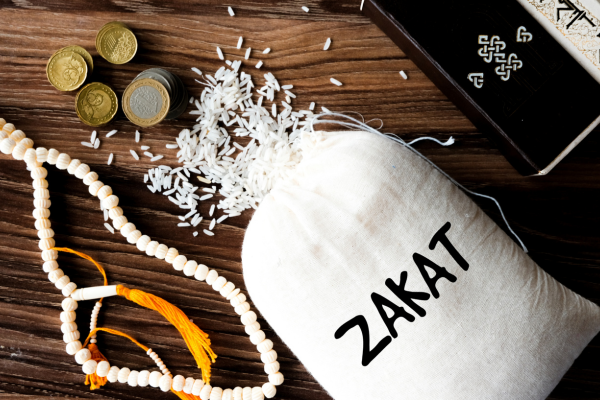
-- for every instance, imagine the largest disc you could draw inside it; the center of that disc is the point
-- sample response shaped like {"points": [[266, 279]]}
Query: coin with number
{"points": [[96, 104], [146, 102], [118, 44], [83, 53], [66, 70]]}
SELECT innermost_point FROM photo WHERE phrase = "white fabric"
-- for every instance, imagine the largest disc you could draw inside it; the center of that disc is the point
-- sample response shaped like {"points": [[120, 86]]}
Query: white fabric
{"points": [[357, 210]]}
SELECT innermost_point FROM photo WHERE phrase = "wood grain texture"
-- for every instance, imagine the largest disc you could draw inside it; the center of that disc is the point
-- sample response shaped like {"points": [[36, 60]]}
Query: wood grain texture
{"points": [[556, 215]]}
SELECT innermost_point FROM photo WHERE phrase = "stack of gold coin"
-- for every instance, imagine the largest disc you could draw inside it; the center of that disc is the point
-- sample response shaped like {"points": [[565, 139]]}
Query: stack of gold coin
{"points": [[116, 43], [96, 104], [138, 94], [69, 67]]}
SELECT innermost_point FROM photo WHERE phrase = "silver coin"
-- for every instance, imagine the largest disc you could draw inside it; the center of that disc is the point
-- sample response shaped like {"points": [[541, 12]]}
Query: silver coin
{"points": [[146, 102], [158, 78], [170, 78]]}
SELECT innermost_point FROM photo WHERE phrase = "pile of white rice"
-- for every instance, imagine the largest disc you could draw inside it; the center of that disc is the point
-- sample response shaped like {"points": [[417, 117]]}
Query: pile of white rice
{"points": [[208, 153]]}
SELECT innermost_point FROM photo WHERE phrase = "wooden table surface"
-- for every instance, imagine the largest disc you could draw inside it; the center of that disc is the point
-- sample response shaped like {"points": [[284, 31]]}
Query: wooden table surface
{"points": [[556, 215]]}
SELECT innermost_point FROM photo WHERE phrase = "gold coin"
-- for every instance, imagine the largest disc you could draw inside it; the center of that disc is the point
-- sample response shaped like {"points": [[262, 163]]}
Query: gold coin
{"points": [[96, 104], [83, 53], [146, 102], [103, 30], [66, 70], [118, 44]]}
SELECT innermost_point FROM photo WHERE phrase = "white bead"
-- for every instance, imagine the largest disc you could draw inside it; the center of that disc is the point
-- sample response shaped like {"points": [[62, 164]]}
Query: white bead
{"points": [[67, 316], [62, 282], [41, 154], [247, 393], [42, 203], [269, 390], [73, 166], [43, 223], [165, 383], [82, 356], [257, 337], [171, 254], [63, 161], [7, 145], [205, 392], [132, 379], [227, 394], [257, 393], [216, 393], [201, 272], [110, 202], [69, 289], [219, 283], [212, 276], [113, 374], [272, 368], [268, 357], [115, 212], [248, 317], [50, 266], [19, 150], [119, 222], [40, 183], [154, 380], [94, 187], [40, 213], [30, 157], [227, 289], [39, 173], [123, 375], [103, 368], [71, 336], [264, 346], [82, 171], [17, 135], [73, 347], [90, 178], [142, 243], [197, 388], [189, 385], [143, 378], [134, 236], [253, 327], [242, 308], [46, 244], [49, 255], [237, 300], [68, 327], [276, 379], [104, 192], [55, 275], [233, 294], [151, 248], [69, 304], [179, 262], [8, 128], [178, 382], [161, 251], [237, 393], [41, 194], [52, 157], [89, 367]]}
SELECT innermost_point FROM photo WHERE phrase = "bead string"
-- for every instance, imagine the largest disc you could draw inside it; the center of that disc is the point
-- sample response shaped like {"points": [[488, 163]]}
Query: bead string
{"points": [[15, 142]]}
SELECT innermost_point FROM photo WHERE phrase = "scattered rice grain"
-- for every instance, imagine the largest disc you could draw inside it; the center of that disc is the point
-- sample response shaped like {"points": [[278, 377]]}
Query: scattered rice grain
{"points": [[259, 64], [137, 136], [134, 154], [156, 158], [240, 41], [403, 74], [112, 133], [209, 233], [336, 82], [86, 144], [327, 44], [267, 50], [220, 53], [230, 11], [109, 227], [248, 51], [110, 158], [306, 9]]}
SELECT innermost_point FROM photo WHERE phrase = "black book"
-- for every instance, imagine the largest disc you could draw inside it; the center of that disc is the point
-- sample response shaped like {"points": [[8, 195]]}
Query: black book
{"points": [[503, 69]]}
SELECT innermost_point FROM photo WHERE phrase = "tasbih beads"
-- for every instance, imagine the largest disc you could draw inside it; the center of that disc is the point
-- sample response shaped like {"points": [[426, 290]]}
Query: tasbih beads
{"points": [[15, 142]]}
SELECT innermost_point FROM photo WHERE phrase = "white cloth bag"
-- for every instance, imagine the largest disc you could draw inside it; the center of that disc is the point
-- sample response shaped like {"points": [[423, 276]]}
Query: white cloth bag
{"points": [[330, 243]]}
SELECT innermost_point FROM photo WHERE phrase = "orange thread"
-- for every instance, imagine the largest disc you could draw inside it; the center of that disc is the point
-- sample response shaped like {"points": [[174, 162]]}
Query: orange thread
{"points": [[94, 380], [197, 341], [68, 250]]}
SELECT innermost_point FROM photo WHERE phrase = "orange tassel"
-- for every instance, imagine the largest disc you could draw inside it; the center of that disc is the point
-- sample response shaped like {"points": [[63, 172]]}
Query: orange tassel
{"points": [[94, 380], [183, 395], [196, 340]]}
